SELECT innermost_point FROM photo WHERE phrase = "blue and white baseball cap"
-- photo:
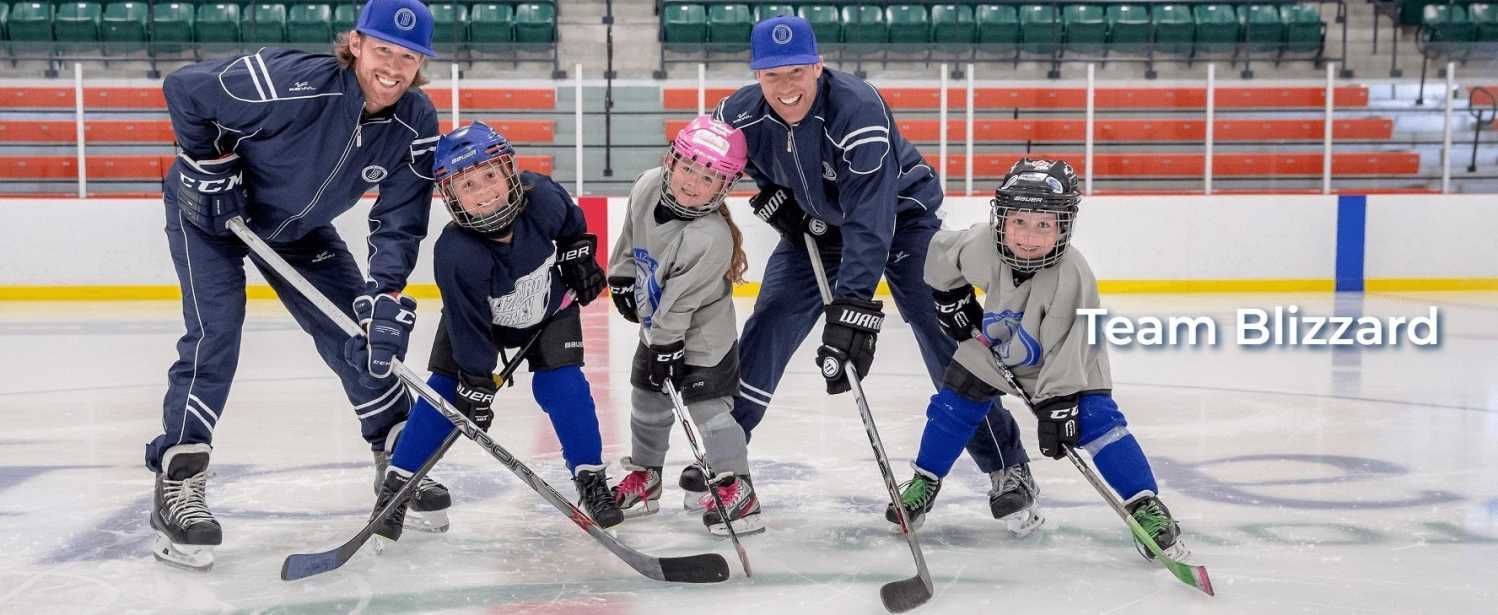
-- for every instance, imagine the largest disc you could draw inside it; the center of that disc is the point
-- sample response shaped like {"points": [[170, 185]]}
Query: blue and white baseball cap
{"points": [[407, 23], [785, 40]]}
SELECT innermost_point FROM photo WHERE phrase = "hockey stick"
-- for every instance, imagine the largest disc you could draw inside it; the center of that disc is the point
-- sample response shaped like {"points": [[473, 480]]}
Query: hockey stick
{"points": [[701, 568], [1195, 576], [905, 594], [680, 409], [303, 565]]}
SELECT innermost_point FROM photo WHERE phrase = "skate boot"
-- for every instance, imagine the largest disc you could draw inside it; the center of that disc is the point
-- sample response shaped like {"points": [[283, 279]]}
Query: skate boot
{"points": [[1155, 518], [639, 494], [694, 483], [918, 496], [429, 504], [593, 495], [1013, 499], [186, 531], [390, 527], [742, 504]]}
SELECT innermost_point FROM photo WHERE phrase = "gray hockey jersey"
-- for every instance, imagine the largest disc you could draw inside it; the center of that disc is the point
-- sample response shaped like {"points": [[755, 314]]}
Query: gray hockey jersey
{"points": [[1034, 326], [678, 267]]}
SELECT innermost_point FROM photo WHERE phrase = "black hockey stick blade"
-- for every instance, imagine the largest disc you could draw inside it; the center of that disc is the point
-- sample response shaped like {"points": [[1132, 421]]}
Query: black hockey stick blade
{"points": [[701, 568], [905, 594], [303, 565]]}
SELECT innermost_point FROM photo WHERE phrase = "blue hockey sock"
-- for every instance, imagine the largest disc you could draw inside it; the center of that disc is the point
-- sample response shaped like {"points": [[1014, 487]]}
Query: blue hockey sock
{"points": [[1123, 465], [950, 422], [425, 428], [565, 396]]}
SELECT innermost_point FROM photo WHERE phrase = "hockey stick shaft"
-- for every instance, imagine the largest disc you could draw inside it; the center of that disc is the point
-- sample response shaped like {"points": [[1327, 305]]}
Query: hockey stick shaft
{"points": [[692, 569], [898, 596], [679, 407]]}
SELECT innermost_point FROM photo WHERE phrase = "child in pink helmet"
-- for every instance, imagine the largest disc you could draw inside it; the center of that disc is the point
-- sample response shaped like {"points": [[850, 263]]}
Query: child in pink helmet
{"points": [[672, 270]]}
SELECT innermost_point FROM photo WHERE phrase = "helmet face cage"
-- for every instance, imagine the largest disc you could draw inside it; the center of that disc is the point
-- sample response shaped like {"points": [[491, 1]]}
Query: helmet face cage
{"points": [[1039, 186], [494, 224], [1065, 222], [676, 163]]}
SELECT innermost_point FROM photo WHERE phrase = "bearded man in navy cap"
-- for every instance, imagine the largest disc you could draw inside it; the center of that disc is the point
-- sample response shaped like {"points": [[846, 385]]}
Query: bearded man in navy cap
{"points": [[287, 141], [829, 161]]}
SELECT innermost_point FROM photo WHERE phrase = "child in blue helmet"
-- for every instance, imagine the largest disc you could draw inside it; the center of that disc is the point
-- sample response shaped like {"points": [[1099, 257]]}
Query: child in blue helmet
{"points": [[517, 244]]}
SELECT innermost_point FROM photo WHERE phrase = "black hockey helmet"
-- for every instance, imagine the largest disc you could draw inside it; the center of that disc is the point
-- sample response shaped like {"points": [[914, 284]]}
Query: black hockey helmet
{"points": [[1045, 186]]}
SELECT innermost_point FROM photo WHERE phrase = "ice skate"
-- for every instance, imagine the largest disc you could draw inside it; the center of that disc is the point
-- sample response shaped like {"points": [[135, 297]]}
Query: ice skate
{"points": [[1012, 499], [639, 494], [742, 504], [594, 497], [186, 531], [918, 496]]}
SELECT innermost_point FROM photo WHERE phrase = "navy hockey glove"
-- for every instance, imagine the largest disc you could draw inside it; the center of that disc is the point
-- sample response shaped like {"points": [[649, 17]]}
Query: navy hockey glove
{"points": [[849, 336], [622, 289], [1058, 426], [387, 319], [210, 192], [579, 268], [957, 311], [667, 363], [475, 399], [776, 206]]}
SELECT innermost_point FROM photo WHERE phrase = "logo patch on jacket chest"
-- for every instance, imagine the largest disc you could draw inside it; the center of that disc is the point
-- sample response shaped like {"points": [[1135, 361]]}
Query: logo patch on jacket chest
{"points": [[828, 173]]}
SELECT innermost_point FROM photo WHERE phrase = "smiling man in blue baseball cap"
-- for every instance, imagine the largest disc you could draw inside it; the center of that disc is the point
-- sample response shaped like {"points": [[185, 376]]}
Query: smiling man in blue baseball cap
{"points": [[387, 49], [783, 55]]}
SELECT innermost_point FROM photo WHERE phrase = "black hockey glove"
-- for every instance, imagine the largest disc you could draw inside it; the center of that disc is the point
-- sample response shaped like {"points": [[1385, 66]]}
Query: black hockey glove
{"points": [[776, 206], [210, 192], [622, 289], [387, 319], [849, 336], [475, 399], [579, 267], [1058, 426], [957, 311], [667, 363]]}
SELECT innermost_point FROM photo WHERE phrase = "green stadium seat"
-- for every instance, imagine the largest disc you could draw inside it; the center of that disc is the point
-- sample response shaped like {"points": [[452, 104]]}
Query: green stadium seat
{"points": [[77, 22], [1485, 20], [489, 22], [345, 15], [952, 24], [1446, 23], [217, 23], [172, 25], [825, 22], [1216, 27], [1086, 26], [728, 26], [864, 24], [1175, 28], [1261, 27], [1304, 30], [265, 23], [536, 22], [449, 25], [1040, 28], [1129, 27], [908, 23], [124, 26], [1411, 10], [684, 23], [309, 24], [997, 23], [766, 11], [30, 22]]}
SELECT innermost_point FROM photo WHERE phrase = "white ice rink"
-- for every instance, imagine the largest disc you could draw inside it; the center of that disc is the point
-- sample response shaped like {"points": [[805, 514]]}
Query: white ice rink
{"points": [[1307, 481]]}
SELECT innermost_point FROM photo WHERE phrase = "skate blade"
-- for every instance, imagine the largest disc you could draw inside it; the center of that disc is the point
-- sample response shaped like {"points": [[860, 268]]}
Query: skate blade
{"points": [[915, 523], [1024, 522], [186, 557], [647, 508], [692, 501], [433, 521], [748, 526], [380, 543]]}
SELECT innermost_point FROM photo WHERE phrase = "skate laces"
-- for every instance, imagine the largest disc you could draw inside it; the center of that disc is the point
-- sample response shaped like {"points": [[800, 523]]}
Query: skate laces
{"points": [[918, 492], [728, 492], [1152, 518], [187, 499], [635, 483], [595, 493]]}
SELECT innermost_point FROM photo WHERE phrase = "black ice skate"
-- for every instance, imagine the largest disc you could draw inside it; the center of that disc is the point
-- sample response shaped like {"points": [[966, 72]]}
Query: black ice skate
{"points": [[742, 504], [694, 483], [186, 531], [639, 494], [1155, 518], [594, 497], [1013, 499], [390, 527], [430, 502], [918, 496]]}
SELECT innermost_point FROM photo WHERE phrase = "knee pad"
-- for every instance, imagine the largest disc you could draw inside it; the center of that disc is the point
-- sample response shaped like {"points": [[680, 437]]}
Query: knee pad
{"points": [[559, 388], [956, 413], [1100, 420], [964, 383]]}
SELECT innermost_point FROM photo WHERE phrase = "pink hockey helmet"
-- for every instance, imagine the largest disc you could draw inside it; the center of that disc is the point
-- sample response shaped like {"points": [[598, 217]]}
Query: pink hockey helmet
{"points": [[707, 147]]}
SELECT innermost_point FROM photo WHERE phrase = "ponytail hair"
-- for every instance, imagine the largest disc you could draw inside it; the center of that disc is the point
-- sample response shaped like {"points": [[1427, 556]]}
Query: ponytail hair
{"points": [[740, 262]]}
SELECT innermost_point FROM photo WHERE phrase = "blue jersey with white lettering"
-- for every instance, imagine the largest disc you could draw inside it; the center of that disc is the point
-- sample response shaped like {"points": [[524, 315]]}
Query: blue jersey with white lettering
{"points": [[491, 289], [309, 151], [846, 163]]}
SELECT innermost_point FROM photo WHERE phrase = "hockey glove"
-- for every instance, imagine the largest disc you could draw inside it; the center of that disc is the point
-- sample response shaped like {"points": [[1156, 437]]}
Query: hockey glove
{"points": [[475, 399], [210, 192], [622, 289], [387, 319], [777, 207], [1058, 426], [579, 268], [667, 364], [957, 311], [849, 336]]}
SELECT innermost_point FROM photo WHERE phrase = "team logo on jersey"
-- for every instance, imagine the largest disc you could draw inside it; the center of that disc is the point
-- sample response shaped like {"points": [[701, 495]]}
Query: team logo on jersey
{"points": [[828, 173], [781, 34], [1012, 344], [374, 173], [525, 306], [647, 295], [405, 19], [817, 227]]}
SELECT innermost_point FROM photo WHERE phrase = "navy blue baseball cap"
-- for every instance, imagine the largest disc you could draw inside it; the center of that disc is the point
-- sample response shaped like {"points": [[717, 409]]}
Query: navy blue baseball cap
{"points": [[785, 40], [407, 23]]}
